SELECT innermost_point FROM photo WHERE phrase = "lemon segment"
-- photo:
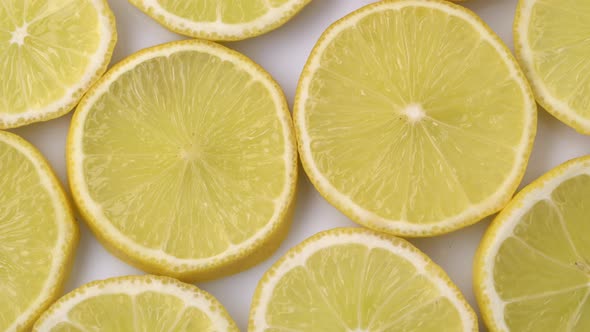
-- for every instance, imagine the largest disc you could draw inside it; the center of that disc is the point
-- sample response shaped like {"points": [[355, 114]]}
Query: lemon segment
{"points": [[413, 118], [552, 44], [146, 303], [50, 53], [38, 234], [358, 280], [221, 19], [531, 271], [183, 162]]}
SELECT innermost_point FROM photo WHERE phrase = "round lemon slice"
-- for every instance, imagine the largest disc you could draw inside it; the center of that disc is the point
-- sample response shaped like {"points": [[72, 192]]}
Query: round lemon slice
{"points": [[358, 280], [146, 303], [221, 19], [413, 118], [50, 53], [182, 159], [38, 234], [532, 269], [551, 42]]}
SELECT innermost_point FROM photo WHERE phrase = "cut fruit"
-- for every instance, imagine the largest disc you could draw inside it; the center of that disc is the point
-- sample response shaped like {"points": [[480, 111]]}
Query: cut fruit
{"points": [[182, 160], [221, 19], [146, 303], [352, 279], [532, 269], [38, 234], [50, 53], [552, 43], [413, 118]]}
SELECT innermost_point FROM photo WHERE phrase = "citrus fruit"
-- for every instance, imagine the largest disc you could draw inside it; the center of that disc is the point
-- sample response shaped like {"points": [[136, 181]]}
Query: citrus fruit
{"points": [[413, 118], [183, 162], [551, 43], [50, 53], [221, 19], [38, 234], [136, 303], [532, 270], [352, 279]]}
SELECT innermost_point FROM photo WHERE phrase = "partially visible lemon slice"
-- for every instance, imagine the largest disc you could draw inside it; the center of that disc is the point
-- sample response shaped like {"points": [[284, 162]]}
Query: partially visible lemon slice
{"points": [[146, 303], [413, 118], [50, 53], [221, 19], [552, 42], [357, 280], [182, 160], [532, 269], [38, 234]]}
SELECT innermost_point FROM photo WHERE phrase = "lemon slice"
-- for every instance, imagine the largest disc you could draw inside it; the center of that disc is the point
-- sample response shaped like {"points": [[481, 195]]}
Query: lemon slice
{"points": [[413, 118], [221, 19], [182, 160], [137, 303], [50, 53], [532, 269], [38, 234], [552, 43], [357, 280]]}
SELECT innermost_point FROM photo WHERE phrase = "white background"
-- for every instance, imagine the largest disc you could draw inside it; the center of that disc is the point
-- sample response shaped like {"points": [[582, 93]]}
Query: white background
{"points": [[283, 53]]}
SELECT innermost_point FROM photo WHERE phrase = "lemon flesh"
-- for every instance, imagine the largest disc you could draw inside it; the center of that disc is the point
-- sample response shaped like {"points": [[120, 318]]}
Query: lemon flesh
{"points": [[358, 280], [182, 160], [413, 118], [532, 270], [221, 19], [37, 234], [50, 53], [552, 43], [146, 303]]}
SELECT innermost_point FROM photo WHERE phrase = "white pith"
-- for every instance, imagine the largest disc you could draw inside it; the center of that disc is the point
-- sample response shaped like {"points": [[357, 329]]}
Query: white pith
{"points": [[111, 232], [509, 223], [95, 62], [329, 239], [341, 199], [61, 219]]}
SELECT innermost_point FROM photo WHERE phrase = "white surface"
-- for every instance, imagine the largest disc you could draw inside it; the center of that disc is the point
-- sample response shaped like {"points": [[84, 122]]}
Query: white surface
{"points": [[283, 53]]}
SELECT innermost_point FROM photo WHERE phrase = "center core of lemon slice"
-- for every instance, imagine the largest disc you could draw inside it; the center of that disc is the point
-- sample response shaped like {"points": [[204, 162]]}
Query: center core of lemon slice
{"points": [[190, 152], [19, 35], [414, 112]]}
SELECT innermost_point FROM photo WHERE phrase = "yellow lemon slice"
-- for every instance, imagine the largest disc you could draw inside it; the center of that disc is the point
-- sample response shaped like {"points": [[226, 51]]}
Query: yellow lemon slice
{"points": [[532, 270], [183, 162], [38, 234], [51, 52], [413, 118]]}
